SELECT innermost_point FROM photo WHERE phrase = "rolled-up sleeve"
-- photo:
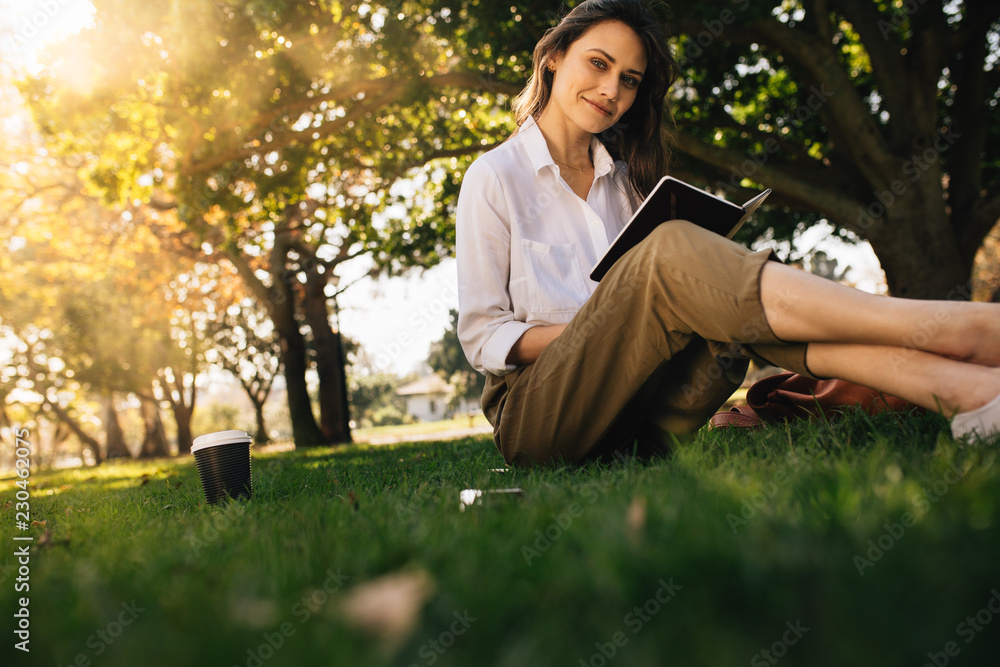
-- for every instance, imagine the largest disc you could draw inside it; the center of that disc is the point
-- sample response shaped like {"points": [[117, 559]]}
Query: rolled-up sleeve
{"points": [[486, 325]]}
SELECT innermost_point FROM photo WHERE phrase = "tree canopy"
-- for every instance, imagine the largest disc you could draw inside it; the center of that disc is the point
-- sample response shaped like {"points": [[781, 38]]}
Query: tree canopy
{"points": [[275, 141], [871, 114]]}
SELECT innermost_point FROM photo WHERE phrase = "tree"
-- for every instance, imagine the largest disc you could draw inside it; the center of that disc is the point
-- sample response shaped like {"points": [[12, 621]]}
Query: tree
{"points": [[448, 358], [90, 298], [873, 115], [245, 345], [373, 396], [275, 131], [154, 440]]}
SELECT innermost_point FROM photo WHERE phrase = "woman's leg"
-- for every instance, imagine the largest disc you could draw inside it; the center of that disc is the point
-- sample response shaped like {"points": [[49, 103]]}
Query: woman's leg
{"points": [[801, 307], [594, 385], [928, 380], [942, 355]]}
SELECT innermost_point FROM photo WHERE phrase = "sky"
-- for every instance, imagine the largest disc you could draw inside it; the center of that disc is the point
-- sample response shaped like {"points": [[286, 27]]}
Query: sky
{"points": [[395, 319], [27, 25]]}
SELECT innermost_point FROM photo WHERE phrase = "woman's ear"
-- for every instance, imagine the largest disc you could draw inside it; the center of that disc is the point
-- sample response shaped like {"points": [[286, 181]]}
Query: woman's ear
{"points": [[553, 61]]}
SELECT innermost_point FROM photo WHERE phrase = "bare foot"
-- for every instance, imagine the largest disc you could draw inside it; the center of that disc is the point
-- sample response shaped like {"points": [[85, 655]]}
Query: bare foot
{"points": [[971, 394], [983, 421], [967, 332]]}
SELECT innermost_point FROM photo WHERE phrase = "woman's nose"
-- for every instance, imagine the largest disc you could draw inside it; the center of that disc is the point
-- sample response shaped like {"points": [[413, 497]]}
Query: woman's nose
{"points": [[610, 87]]}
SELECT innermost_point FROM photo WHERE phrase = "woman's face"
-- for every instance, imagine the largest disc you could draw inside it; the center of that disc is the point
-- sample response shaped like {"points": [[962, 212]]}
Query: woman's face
{"points": [[597, 78]]}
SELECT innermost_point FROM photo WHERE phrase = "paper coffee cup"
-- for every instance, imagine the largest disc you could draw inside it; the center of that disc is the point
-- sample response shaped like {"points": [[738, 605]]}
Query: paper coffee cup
{"points": [[223, 460]]}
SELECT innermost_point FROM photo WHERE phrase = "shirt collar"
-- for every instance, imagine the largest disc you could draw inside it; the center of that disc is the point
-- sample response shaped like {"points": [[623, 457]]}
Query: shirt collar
{"points": [[538, 150]]}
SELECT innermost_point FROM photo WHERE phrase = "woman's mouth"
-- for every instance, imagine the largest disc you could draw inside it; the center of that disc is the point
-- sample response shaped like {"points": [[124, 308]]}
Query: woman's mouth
{"points": [[598, 108]]}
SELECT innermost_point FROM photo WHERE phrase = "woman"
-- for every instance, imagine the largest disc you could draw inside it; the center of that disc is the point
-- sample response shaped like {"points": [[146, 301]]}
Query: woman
{"points": [[576, 369]]}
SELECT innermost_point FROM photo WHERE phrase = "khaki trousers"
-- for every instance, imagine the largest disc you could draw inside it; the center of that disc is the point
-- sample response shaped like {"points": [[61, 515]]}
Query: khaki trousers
{"points": [[664, 340]]}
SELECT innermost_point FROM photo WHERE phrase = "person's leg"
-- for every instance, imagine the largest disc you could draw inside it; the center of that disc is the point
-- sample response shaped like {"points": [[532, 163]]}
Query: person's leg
{"points": [[928, 380], [942, 355], [692, 387], [802, 307], [591, 387]]}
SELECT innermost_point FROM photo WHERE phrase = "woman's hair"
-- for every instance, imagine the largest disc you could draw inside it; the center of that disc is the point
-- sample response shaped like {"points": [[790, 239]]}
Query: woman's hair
{"points": [[636, 138]]}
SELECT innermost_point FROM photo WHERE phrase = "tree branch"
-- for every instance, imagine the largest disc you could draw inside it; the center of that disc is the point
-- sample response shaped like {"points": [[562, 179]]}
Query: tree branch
{"points": [[6, 217], [844, 107], [242, 266], [459, 152], [809, 196], [72, 424], [760, 135], [926, 58], [376, 95], [817, 12], [366, 88], [885, 50], [167, 389], [977, 22]]}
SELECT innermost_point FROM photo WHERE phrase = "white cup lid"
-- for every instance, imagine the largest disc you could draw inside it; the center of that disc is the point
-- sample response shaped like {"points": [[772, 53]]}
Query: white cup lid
{"points": [[219, 438]]}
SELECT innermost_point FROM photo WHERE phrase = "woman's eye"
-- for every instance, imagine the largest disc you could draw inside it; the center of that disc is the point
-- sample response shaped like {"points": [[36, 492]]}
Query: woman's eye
{"points": [[631, 81], [597, 63]]}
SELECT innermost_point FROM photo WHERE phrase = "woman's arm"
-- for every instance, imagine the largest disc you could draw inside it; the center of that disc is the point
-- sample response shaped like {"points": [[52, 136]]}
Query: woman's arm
{"points": [[486, 324], [532, 342]]}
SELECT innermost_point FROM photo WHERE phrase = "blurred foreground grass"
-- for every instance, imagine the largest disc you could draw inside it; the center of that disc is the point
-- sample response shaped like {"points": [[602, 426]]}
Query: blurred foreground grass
{"points": [[866, 542]]}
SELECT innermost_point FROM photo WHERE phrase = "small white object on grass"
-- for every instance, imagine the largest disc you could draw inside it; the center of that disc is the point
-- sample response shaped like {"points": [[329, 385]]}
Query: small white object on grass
{"points": [[470, 497]]}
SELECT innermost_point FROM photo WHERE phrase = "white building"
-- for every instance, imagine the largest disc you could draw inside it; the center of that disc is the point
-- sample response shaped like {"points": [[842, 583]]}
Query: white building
{"points": [[427, 399]]}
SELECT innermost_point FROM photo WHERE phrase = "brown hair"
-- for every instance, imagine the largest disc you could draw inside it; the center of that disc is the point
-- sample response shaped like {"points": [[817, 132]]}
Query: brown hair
{"points": [[636, 138]]}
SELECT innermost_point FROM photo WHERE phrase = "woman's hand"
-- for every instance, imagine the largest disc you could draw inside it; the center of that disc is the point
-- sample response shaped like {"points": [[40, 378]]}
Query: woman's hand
{"points": [[532, 342]]}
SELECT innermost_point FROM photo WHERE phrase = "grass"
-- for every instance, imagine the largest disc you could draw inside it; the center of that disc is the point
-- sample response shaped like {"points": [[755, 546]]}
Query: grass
{"points": [[870, 541], [421, 428]]}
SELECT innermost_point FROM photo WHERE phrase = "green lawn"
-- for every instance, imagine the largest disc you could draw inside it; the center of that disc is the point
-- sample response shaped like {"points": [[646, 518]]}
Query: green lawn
{"points": [[421, 428], [868, 542]]}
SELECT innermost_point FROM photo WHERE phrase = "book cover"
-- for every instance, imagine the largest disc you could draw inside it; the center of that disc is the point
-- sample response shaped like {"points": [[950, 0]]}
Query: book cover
{"points": [[673, 199]]}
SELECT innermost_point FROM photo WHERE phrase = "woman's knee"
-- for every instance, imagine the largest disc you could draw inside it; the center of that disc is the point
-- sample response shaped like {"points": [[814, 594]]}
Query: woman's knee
{"points": [[671, 233], [679, 241]]}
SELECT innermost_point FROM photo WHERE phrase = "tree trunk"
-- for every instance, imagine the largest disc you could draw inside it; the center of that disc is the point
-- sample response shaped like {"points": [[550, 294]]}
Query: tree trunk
{"points": [[60, 434], [279, 300], [345, 407], [114, 443], [333, 408], [181, 404], [908, 274], [182, 415], [305, 431], [154, 442], [909, 176], [923, 263], [926, 261], [261, 437]]}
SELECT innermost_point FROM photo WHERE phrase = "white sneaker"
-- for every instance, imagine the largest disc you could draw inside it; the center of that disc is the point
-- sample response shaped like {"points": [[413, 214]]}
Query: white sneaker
{"points": [[983, 422]]}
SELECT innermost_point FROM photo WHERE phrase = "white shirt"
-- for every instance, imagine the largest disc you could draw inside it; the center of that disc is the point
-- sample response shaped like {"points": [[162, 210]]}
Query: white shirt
{"points": [[526, 243]]}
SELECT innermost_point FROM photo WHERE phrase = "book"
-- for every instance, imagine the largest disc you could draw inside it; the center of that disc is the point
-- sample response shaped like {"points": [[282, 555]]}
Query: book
{"points": [[673, 199]]}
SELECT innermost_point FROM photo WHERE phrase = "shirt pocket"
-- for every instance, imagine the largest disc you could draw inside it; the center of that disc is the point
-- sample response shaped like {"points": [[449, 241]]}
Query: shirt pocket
{"points": [[555, 281]]}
